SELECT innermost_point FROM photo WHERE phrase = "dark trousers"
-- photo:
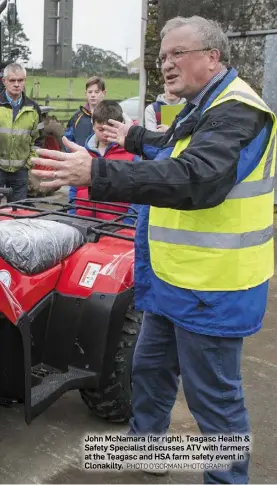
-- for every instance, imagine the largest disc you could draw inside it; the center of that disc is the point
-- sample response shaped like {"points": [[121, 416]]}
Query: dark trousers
{"points": [[211, 378], [18, 181]]}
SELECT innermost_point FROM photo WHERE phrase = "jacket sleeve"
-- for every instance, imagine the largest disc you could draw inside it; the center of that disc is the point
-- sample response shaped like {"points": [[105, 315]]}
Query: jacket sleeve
{"points": [[150, 121], [200, 177], [144, 142]]}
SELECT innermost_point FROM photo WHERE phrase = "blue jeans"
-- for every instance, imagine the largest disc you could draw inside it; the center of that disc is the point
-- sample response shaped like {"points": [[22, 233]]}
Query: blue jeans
{"points": [[18, 181], [211, 378]]}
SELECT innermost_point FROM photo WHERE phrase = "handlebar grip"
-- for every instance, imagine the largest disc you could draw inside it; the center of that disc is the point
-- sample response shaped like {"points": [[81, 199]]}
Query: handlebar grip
{"points": [[4, 192]]}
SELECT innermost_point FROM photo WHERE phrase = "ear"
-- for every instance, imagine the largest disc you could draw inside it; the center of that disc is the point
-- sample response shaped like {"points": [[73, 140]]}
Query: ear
{"points": [[214, 55]]}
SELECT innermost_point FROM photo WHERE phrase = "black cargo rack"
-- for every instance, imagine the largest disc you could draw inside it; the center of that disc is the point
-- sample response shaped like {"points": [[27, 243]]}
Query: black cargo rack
{"points": [[60, 213]]}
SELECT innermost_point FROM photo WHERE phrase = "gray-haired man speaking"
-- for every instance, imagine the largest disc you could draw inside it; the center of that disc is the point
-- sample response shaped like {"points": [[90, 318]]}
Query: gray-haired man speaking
{"points": [[204, 247]]}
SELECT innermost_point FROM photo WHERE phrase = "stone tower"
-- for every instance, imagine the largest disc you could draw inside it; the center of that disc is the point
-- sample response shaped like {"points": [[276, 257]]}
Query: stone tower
{"points": [[57, 42]]}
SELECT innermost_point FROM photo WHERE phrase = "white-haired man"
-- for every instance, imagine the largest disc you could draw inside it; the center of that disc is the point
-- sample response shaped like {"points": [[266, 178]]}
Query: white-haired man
{"points": [[20, 125], [204, 250]]}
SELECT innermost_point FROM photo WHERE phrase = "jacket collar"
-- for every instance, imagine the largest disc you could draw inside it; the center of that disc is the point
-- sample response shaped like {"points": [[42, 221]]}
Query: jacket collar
{"points": [[218, 88], [85, 109], [12, 102], [92, 145], [4, 100]]}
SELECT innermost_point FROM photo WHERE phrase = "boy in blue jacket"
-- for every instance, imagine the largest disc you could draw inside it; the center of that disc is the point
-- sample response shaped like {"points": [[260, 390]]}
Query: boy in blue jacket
{"points": [[79, 127]]}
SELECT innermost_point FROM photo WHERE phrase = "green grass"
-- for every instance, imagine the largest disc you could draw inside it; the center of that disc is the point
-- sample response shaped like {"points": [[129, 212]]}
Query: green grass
{"points": [[57, 87]]}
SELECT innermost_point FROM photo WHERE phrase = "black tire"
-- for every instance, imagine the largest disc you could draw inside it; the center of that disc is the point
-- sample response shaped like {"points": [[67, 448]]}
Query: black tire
{"points": [[113, 403]]}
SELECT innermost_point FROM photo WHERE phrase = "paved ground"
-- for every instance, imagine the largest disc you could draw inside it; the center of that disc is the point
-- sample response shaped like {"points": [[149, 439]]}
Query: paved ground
{"points": [[48, 451]]}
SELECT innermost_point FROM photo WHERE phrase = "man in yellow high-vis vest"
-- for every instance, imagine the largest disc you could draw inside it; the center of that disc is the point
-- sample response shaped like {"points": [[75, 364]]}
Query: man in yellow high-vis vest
{"points": [[204, 247]]}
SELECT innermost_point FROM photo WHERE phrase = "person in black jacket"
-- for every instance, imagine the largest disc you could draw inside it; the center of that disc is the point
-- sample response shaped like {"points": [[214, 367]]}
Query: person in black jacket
{"points": [[204, 254]]}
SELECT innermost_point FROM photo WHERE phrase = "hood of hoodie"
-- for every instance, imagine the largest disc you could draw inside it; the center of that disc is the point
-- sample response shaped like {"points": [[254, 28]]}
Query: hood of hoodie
{"points": [[161, 99], [112, 148], [91, 143]]}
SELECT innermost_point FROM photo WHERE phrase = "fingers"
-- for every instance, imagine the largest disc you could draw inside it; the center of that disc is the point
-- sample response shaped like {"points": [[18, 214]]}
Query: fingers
{"points": [[70, 145], [116, 124], [110, 130], [112, 140], [46, 162], [54, 184], [46, 174], [57, 179], [53, 154]]}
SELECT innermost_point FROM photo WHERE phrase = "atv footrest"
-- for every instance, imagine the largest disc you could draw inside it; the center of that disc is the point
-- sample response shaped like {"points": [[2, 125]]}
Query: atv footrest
{"points": [[54, 384], [40, 371]]}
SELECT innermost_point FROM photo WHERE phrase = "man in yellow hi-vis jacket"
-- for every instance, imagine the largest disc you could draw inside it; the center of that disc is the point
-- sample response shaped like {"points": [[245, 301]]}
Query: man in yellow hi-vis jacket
{"points": [[20, 129], [204, 247]]}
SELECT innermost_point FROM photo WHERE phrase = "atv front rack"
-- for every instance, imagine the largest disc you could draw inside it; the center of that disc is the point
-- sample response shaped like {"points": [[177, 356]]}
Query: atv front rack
{"points": [[87, 225], [65, 341]]}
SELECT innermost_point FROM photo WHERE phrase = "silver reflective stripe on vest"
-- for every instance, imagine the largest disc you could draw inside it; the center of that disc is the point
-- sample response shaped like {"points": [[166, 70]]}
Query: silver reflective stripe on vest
{"points": [[246, 96], [257, 187], [10, 131], [269, 160], [244, 190], [12, 163], [209, 239]]}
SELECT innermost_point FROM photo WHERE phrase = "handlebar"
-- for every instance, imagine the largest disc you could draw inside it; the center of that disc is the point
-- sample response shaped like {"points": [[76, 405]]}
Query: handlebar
{"points": [[4, 192]]}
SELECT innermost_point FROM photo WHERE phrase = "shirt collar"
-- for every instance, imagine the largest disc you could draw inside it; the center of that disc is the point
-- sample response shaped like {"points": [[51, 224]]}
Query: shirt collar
{"points": [[198, 98], [12, 102]]}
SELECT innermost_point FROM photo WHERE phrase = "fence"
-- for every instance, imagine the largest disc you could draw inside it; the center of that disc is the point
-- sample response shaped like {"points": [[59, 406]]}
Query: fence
{"points": [[66, 95], [64, 113]]}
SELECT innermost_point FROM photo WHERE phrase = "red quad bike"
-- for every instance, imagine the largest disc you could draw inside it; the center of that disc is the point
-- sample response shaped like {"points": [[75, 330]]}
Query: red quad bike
{"points": [[67, 319]]}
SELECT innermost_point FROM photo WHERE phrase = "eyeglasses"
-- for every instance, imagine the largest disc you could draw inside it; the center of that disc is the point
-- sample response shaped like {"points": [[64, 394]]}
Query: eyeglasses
{"points": [[177, 55]]}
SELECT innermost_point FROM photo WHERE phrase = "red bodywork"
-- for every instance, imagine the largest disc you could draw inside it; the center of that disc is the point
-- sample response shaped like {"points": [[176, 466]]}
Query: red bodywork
{"points": [[115, 258]]}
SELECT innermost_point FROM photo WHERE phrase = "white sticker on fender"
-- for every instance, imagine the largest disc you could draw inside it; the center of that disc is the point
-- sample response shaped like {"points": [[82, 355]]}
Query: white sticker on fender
{"points": [[89, 275], [5, 277]]}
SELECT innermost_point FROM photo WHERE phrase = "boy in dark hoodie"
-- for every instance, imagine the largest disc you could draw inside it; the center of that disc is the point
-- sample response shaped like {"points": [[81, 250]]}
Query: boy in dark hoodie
{"points": [[79, 127], [98, 146]]}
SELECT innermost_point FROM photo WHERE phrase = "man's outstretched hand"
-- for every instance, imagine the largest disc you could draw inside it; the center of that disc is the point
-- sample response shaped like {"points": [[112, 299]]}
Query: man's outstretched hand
{"points": [[116, 132], [68, 168]]}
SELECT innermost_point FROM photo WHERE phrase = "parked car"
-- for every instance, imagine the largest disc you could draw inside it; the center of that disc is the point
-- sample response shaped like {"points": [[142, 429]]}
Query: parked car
{"points": [[130, 106]]}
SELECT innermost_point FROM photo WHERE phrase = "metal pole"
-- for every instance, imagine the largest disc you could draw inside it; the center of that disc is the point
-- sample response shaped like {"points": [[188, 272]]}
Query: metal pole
{"points": [[249, 33], [142, 74], [0, 42]]}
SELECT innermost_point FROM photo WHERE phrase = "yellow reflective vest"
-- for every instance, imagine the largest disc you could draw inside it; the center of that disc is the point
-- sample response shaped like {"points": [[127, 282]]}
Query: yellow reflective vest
{"points": [[228, 247], [18, 136]]}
